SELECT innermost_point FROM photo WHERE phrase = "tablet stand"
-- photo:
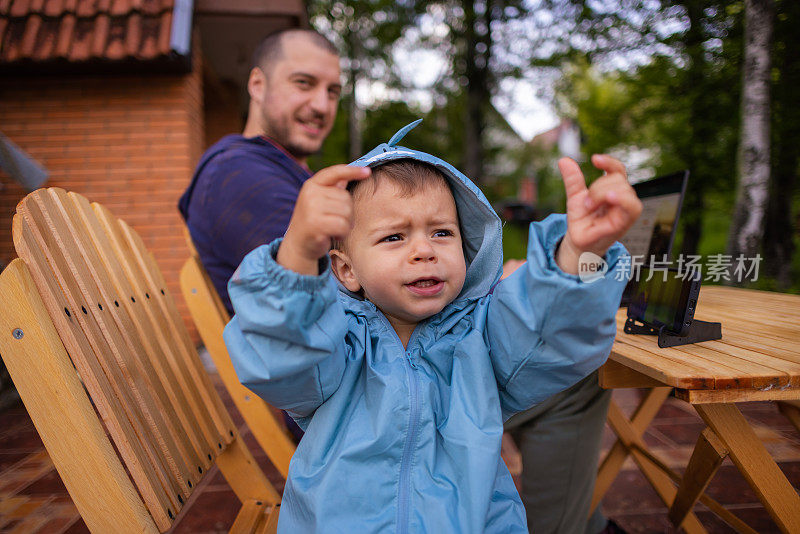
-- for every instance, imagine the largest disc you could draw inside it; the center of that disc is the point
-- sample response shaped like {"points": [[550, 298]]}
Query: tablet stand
{"points": [[698, 331]]}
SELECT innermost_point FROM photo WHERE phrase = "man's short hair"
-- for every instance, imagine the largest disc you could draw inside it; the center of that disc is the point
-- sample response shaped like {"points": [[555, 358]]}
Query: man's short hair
{"points": [[270, 50]]}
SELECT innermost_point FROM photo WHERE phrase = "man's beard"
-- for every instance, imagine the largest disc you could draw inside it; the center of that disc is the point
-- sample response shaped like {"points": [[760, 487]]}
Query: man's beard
{"points": [[280, 132]]}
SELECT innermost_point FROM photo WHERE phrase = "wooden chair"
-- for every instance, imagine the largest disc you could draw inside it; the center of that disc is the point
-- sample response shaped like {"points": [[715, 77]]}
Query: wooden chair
{"points": [[210, 317], [86, 295]]}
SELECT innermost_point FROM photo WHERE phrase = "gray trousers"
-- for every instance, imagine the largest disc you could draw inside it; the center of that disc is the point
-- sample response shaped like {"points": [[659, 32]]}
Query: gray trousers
{"points": [[559, 440]]}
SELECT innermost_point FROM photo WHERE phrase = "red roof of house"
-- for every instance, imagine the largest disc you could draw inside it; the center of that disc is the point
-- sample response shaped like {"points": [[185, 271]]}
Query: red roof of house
{"points": [[77, 31]]}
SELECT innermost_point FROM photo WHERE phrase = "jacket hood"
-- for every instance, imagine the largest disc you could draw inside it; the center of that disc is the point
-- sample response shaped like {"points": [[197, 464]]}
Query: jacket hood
{"points": [[481, 230]]}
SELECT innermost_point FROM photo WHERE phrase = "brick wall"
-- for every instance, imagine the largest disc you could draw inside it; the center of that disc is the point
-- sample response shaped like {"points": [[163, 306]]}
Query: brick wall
{"points": [[129, 143]]}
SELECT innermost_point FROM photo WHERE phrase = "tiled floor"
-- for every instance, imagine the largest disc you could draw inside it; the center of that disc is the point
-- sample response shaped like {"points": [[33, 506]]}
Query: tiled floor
{"points": [[33, 499]]}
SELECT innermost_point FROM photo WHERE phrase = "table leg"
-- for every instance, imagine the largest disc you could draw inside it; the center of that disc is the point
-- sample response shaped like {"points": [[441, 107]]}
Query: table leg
{"points": [[754, 462], [791, 409], [651, 469], [613, 461], [706, 458]]}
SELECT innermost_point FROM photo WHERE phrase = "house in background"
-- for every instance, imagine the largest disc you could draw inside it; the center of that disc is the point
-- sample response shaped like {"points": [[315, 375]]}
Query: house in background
{"points": [[117, 99]]}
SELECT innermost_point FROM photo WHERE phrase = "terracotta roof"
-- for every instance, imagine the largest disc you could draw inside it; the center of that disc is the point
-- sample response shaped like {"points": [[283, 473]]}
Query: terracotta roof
{"points": [[86, 31]]}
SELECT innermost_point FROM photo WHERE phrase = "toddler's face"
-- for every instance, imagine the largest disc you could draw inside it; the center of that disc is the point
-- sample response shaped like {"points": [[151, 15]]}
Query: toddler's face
{"points": [[404, 251]]}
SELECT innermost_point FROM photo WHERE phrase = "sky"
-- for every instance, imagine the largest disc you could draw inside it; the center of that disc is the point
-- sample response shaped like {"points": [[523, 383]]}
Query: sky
{"points": [[420, 67], [520, 101]]}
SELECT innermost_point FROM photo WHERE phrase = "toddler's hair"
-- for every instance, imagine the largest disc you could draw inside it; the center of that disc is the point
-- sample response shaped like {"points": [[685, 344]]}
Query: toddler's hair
{"points": [[410, 176]]}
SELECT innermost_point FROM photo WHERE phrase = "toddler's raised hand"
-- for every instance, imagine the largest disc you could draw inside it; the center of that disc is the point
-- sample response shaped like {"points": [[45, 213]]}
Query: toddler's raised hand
{"points": [[596, 216], [324, 211]]}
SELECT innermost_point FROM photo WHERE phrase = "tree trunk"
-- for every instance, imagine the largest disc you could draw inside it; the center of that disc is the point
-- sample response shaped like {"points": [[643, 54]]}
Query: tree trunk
{"points": [[779, 232], [697, 134], [477, 48], [354, 112], [752, 194]]}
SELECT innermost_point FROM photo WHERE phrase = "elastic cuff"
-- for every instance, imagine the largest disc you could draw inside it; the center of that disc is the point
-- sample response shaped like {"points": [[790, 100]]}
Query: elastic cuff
{"points": [[552, 230], [290, 279]]}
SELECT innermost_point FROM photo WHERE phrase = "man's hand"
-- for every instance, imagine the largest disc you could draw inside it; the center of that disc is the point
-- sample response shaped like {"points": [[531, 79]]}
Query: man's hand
{"points": [[597, 216], [324, 211]]}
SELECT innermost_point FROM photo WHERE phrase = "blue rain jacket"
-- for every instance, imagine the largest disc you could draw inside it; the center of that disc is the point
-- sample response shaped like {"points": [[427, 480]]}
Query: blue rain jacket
{"points": [[408, 440]]}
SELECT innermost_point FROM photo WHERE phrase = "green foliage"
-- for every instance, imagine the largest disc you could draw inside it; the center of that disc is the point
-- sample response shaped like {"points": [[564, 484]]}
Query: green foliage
{"points": [[658, 80], [515, 241]]}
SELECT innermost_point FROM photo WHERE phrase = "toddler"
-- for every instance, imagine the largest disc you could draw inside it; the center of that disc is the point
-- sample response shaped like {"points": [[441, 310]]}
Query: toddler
{"points": [[403, 373]]}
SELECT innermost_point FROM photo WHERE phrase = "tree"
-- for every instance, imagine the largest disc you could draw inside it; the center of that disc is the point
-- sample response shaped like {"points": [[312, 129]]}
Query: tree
{"points": [[780, 230], [678, 100], [754, 152], [364, 31]]}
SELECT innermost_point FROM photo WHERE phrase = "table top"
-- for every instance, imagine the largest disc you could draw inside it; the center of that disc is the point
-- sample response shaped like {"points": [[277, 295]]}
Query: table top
{"points": [[759, 349]]}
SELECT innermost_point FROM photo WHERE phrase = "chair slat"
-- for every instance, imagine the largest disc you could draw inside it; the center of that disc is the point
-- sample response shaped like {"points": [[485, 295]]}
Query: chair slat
{"points": [[175, 323], [92, 286], [109, 396], [63, 414], [144, 274], [186, 426]]}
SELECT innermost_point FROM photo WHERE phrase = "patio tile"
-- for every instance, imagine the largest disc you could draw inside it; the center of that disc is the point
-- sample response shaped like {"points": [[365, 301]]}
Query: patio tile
{"points": [[34, 494], [79, 527], [8, 459], [682, 433], [49, 484], [24, 440], [59, 524], [212, 512]]}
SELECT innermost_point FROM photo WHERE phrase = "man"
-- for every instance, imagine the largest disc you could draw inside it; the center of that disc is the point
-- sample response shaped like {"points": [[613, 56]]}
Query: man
{"points": [[559, 442], [244, 188]]}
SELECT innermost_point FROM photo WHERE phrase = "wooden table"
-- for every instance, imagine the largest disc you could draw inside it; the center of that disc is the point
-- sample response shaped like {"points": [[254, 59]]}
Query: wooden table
{"points": [[757, 359]]}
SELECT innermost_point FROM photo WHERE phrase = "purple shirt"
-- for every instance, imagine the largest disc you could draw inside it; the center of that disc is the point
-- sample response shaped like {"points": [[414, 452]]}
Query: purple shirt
{"points": [[241, 196]]}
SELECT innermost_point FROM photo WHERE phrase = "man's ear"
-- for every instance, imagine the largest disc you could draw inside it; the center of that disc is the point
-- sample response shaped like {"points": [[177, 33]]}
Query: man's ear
{"points": [[342, 268], [256, 84]]}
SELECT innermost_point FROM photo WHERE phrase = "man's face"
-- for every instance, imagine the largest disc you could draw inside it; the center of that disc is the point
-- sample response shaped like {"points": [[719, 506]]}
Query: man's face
{"points": [[405, 251], [300, 96]]}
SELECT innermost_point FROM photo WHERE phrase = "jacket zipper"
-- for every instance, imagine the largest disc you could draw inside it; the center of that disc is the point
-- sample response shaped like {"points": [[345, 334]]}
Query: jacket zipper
{"points": [[403, 498]]}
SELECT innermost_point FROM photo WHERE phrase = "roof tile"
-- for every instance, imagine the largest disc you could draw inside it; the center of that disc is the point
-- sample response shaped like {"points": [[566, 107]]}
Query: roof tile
{"points": [[29, 36], [47, 38], [133, 35], [66, 31], [53, 8], [84, 30], [19, 8], [148, 46], [85, 8], [81, 40], [12, 41], [116, 38], [100, 35], [119, 7], [164, 32]]}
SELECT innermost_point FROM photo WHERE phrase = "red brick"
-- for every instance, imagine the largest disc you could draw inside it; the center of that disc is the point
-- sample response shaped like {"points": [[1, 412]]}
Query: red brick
{"points": [[128, 143]]}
